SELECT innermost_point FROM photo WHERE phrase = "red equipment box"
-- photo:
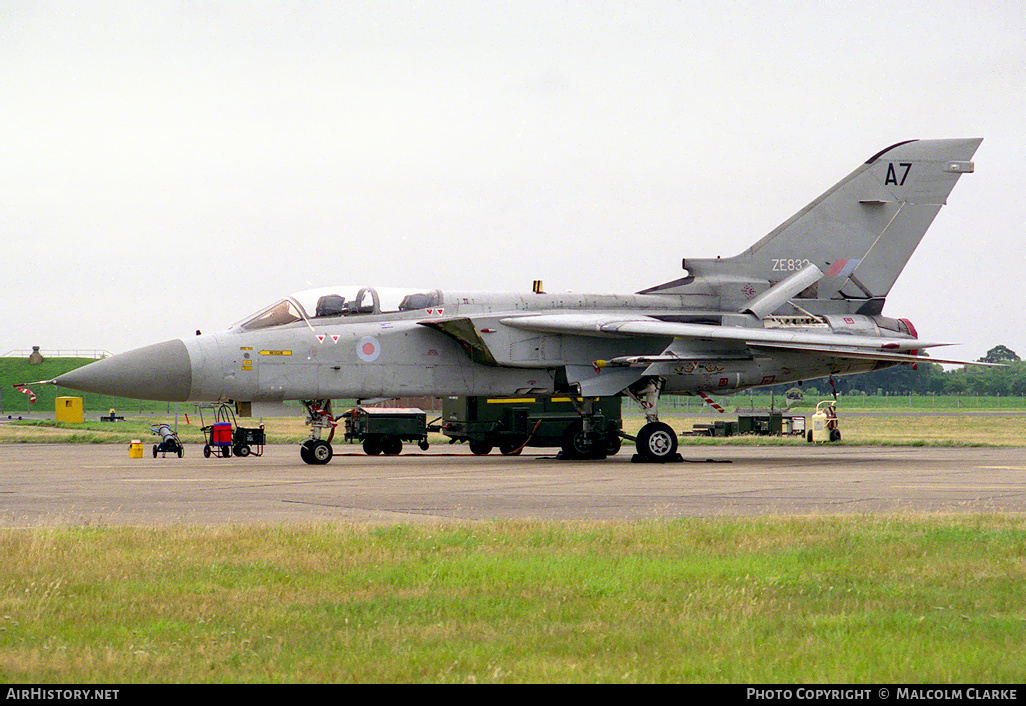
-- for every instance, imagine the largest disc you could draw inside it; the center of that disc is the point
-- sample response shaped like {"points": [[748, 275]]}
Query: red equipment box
{"points": [[221, 433]]}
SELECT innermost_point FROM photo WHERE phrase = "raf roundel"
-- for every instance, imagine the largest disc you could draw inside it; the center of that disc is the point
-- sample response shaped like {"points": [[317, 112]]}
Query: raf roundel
{"points": [[368, 349]]}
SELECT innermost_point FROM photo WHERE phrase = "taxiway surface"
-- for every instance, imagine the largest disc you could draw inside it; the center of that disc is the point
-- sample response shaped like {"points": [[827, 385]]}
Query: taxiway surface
{"points": [[86, 484]]}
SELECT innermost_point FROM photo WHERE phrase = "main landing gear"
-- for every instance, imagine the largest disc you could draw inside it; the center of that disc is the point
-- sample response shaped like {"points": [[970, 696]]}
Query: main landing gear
{"points": [[315, 450], [656, 442]]}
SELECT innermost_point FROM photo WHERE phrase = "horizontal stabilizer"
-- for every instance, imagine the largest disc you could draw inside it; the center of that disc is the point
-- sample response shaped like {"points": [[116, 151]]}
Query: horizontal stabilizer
{"points": [[841, 352]]}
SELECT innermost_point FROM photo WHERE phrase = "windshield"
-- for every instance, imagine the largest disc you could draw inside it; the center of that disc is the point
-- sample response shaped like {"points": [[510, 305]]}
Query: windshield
{"points": [[284, 312], [330, 302]]}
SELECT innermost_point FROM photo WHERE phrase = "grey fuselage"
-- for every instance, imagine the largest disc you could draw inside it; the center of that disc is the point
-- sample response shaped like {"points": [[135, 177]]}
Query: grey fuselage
{"points": [[400, 354]]}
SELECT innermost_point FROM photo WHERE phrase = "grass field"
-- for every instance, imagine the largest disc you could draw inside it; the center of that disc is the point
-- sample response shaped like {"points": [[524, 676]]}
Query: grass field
{"points": [[870, 599], [823, 600], [18, 370]]}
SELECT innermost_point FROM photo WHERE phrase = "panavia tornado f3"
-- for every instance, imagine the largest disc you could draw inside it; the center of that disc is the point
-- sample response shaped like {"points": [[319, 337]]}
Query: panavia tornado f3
{"points": [[806, 301]]}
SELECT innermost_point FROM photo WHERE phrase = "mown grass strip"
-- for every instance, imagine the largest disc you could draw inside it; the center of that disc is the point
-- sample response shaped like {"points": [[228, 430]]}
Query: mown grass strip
{"points": [[839, 599]]}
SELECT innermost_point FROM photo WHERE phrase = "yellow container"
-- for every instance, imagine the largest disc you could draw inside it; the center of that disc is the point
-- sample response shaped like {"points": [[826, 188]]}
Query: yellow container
{"points": [[69, 409], [135, 449]]}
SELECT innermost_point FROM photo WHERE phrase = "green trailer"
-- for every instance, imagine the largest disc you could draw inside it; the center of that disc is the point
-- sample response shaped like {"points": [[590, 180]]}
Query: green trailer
{"points": [[513, 423]]}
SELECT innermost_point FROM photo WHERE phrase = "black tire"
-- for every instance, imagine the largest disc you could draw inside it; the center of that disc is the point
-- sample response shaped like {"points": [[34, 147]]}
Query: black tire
{"points": [[242, 450], [835, 435], [480, 448], [511, 448], [154, 451], [392, 446], [657, 442], [612, 443], [226, 451], [809, 436], [424, 445], [181, 451], [320, 453], [304, 451], [372, 445], [577, 445], [206, 451]]}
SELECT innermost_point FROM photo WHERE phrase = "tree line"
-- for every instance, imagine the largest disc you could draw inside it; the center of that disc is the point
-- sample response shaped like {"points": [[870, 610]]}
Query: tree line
{"points": [[932, 379]]}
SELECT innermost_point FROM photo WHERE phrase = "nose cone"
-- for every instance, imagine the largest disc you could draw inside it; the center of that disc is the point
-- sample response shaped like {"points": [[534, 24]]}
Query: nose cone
{"points": [[162, 372]]}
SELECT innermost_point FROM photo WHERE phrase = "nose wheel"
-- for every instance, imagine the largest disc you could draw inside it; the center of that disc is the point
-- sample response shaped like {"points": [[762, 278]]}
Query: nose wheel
{"points": [[315, 450]]}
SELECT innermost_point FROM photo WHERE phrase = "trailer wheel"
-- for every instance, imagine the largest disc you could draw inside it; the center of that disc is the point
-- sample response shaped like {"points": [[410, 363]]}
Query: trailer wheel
{"points": [[512, 448], [181, 451], [372, 445], [392, 445], [242, 450], [423, 445], [154, 451], [480, 448], [577, 445], [206, 451], [612, 443]]}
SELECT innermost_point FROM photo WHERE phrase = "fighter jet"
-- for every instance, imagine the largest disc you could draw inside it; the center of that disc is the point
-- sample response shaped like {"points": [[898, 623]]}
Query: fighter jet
{"points": [[806, 301]]}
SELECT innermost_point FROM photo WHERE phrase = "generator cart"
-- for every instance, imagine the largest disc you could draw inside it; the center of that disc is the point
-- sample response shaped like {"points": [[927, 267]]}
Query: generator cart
{"points": [[224, 435], [384, 429]]}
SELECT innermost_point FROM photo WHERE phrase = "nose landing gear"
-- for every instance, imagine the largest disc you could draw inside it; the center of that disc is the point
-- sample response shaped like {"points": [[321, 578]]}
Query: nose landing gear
{"points": [[317, 451]]}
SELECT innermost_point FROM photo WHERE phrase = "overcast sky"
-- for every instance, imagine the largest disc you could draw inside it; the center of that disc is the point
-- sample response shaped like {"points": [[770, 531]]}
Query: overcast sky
{"points": [[173, 166]]}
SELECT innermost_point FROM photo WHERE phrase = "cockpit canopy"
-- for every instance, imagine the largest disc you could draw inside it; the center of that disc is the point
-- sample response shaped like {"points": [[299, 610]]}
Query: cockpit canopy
{"points": [[336, 302]]}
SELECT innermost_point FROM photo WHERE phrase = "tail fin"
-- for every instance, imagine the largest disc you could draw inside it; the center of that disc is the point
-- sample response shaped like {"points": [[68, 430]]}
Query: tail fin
{"points": [[860, 234]]}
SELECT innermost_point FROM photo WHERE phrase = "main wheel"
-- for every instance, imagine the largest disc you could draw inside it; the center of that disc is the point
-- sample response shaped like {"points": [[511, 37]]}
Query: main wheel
{"points": [[320, 453], [657, 442]]}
